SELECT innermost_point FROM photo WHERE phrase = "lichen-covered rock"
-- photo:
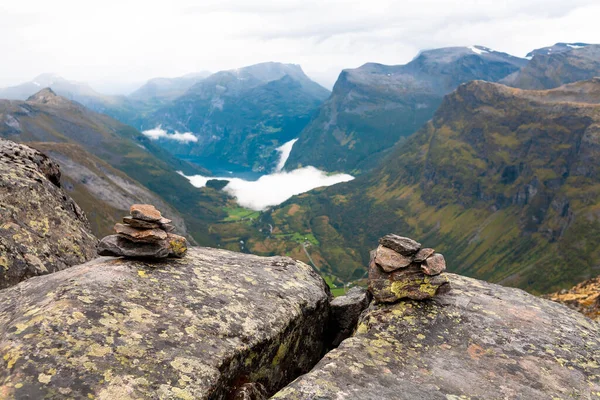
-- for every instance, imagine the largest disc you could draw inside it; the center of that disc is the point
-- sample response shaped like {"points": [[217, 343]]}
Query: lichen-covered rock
{"points": [[410, 282], [403, 245], [345, 311], [194, 328], [41, 229], [177, 245], [477, 341]]}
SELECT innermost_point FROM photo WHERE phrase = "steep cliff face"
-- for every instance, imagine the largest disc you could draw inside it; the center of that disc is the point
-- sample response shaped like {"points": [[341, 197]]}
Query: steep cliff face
{"points": [[503, 181], [41, 229], [374, 106], [203, 327], [478, 340]]}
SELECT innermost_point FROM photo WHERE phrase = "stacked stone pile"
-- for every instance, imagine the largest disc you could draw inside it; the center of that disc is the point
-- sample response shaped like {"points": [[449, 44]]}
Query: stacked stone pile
{"points": [[145, 234], [401, 269]]}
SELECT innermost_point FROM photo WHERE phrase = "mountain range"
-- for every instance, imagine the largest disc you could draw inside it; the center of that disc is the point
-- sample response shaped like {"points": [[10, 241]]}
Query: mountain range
{"points": [[501, 178], [374, 106]]}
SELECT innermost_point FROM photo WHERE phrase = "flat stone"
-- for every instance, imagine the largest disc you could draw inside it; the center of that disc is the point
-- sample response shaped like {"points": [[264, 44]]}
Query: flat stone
{"points": [[140, 223], [145, 212], [405, 283], [177, 245], [477, 341], [423, 254], [263, 322], [118, 246], [141, 235], [164, 221], [434, 265], [390, 260], [400, 244]]}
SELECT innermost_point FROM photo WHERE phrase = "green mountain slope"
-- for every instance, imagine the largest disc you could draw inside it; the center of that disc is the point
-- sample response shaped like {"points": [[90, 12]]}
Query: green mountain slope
{"points": [[241, 116], [564, 64], [504, 182], [46, 117], [374, 106]]}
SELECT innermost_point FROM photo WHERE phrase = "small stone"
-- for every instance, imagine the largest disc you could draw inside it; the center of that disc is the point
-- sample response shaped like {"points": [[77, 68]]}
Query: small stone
{"points": [[434, 265], [140, 235], [177, 245], [164, 221], [400, 244], [145, 212], [251, 391], [423, 254], [118, 246], [389, 260], [139, 223]]}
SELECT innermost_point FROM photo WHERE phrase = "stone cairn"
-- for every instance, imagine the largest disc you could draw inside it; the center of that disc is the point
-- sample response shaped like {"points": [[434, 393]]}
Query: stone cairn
{"points": [[143, 234], [401, 269]]}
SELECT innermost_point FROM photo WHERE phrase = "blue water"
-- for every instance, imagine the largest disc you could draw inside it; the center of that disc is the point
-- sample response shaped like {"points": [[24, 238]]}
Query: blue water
{"points": [[224, 169]]}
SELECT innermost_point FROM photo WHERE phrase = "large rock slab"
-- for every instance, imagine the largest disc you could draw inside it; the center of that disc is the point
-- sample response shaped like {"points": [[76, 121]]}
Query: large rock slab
{"points": [[479, 340], [193, 328], [41, 229]]}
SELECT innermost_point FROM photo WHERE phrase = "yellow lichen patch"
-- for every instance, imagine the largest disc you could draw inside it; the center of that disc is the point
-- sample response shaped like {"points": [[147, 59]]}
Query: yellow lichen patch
{"points": [[12, 356], [43, 378], [142, 274], [97, 350], [281, 352]]}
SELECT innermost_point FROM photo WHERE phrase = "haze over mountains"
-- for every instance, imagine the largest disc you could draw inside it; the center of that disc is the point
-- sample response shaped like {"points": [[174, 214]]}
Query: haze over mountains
{"points": [[498, 179]]}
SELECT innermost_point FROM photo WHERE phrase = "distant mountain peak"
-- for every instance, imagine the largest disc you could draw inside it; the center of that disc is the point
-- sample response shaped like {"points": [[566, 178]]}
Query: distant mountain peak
{"points": [[47, 96]]}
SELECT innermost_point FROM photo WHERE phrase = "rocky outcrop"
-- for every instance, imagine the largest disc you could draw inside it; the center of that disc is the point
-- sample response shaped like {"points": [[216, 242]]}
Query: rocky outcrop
{"points": [[345, 311], [146, 234], [213, 325], [584, 297], [400, 269], [478, 340], [41, 229]]}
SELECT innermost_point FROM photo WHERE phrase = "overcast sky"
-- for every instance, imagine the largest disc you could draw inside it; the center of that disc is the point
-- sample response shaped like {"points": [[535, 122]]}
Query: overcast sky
{"points": [[129, 41]]}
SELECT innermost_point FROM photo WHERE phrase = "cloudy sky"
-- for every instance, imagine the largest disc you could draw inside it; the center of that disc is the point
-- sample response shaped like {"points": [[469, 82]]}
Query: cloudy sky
{"points": [[129, 41]]}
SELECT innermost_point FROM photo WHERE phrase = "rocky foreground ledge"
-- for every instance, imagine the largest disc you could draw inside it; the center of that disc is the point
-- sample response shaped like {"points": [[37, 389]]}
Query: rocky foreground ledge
{"points": [[475, 341], [213, 325]]}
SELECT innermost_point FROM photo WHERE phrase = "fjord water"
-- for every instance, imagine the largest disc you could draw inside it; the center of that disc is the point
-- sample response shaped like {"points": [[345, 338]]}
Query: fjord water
{"points": [[259, 191]]}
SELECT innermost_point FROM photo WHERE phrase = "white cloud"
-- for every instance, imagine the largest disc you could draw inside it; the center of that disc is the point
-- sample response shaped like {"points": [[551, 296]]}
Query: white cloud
{"points": [[274, 189], [159, 133], [323, 36]]}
